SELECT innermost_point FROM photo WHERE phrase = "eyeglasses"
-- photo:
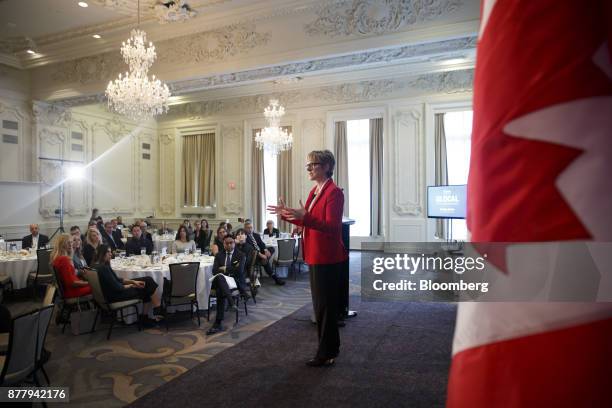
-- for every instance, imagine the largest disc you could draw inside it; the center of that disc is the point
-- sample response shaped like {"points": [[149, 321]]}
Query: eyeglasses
{"points": [[311, 165]]}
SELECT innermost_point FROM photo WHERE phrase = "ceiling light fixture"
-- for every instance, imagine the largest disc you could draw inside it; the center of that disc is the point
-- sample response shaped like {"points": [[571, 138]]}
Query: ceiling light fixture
{"points": [[83, 4], [273, 137], [135, 95], [97, 36], [32, 52]]}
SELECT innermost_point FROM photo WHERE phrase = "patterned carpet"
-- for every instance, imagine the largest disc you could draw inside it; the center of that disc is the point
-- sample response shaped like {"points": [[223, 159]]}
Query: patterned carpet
{"points": [[103, 373]]}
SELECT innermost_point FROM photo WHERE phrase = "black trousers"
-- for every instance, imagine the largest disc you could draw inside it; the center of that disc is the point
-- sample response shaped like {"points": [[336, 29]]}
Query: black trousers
{"points": [[137, 293], [223, 292], [324, 286]]}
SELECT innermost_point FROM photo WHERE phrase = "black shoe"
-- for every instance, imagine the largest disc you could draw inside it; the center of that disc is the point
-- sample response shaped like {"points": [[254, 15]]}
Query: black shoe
{"points": [[278, 281], [216, 328], [320, 362]]}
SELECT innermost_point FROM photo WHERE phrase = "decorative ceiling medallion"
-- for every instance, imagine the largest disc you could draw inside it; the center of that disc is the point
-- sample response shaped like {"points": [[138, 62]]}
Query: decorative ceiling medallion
{"points": [[173, 11]]}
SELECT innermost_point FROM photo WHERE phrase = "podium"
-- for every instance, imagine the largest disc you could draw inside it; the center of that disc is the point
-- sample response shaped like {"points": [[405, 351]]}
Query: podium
{"points": [[343, 295]]}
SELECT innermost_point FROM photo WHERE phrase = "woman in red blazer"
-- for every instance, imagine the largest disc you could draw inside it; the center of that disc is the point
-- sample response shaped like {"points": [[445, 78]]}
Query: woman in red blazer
{"points": [[324, 251]]}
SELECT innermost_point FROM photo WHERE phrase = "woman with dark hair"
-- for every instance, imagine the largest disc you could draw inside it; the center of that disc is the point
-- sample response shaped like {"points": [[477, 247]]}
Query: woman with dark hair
{"points": [[324, 250], [182, 242], [203, 235], [217, 246], [116, 289]]}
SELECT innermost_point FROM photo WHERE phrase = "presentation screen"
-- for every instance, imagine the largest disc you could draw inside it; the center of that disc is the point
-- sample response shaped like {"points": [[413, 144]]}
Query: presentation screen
{"points": [[446, 201]]}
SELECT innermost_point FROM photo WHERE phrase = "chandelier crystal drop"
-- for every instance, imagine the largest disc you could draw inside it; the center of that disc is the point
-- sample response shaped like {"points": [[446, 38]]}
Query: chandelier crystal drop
{"points": [[134, 94], [273, 138]]}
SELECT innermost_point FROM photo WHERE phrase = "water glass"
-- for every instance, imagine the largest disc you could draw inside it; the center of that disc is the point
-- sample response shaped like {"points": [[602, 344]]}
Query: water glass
{"points": [[143, 251]]}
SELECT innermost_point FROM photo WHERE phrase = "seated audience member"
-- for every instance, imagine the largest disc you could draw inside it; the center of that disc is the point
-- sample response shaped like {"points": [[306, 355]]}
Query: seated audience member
{"points": [[116, 289], [78, 260], [94, 215], [270, 230], [138, 242], [144, 226], [117, 235], [231, 262], [61, 259], [217, 245], [100, 224], [35, 240], [120, 224], [297, 231], [199, 236], [92, 241], [108, 237], [222, 224], [187, 224], [75, 230], [182, 242], [245, 247], [264, 253]]}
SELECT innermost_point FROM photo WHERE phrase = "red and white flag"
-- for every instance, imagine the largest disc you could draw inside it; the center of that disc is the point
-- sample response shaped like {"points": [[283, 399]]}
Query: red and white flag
{"points": [[540, 172]]}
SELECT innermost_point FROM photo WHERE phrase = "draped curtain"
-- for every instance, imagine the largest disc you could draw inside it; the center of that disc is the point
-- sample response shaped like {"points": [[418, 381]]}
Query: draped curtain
{"points": [[206, 182], [376, 175], [284, 182], [441, 173], [190, 160], [258, 185], [341, 154], [199, 170]]}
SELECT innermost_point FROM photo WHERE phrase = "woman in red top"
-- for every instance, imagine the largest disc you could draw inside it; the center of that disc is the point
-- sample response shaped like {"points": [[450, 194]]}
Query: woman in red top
{"points": [[324, 251], [61, 259]]}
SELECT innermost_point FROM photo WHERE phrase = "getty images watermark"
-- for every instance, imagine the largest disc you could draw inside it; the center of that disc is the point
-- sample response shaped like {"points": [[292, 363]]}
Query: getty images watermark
{"points": [[487, 272]]}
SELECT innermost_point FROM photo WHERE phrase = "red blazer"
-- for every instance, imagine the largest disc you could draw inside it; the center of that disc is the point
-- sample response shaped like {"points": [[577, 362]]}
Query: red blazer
{"points": [[67, 274], [323, 227]]}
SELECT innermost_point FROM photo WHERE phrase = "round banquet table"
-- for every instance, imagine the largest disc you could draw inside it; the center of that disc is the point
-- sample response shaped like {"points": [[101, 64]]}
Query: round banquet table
{"points": [[18, 268], [129, 268]]}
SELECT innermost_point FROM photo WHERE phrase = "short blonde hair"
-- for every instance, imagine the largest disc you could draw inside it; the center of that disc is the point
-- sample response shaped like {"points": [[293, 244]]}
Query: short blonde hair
{"points": [[324, 157]]}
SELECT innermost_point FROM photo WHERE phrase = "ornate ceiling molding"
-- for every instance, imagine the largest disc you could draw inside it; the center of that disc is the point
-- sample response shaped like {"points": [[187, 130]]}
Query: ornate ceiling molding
{"points": [[51, 114], [90, 69], [12, 45], [363, 91], [416, 52], [375, 17], [445, 82], [214, 45]]}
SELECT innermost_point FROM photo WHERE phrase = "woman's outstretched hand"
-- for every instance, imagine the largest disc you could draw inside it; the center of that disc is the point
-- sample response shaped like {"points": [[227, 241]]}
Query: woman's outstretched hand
{"points": [[291, 214], [278, 209]]}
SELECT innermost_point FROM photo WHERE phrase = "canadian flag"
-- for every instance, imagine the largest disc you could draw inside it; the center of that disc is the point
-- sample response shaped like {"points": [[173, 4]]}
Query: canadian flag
{"points": [[541, 170]]}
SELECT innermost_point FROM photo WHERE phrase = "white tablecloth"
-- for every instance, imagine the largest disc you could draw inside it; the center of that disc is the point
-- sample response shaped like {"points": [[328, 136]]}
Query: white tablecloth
{"points": [[18, 268], [161, 271]]}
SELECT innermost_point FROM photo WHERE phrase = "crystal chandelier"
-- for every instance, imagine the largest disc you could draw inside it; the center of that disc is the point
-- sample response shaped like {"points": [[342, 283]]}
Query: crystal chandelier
{"points": [[134, 94], [273, 138]]}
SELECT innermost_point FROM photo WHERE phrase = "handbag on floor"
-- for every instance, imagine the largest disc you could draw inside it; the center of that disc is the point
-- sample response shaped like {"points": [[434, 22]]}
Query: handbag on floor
{"points": [[82, 320]]}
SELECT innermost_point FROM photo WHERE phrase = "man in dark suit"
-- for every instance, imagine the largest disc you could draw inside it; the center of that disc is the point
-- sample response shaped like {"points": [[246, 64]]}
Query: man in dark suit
{"points": [[109, 238], [35, 239], [265, 254], [231, 262], [270, 230], [143, 227], [117, 235], [137, 242]]}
